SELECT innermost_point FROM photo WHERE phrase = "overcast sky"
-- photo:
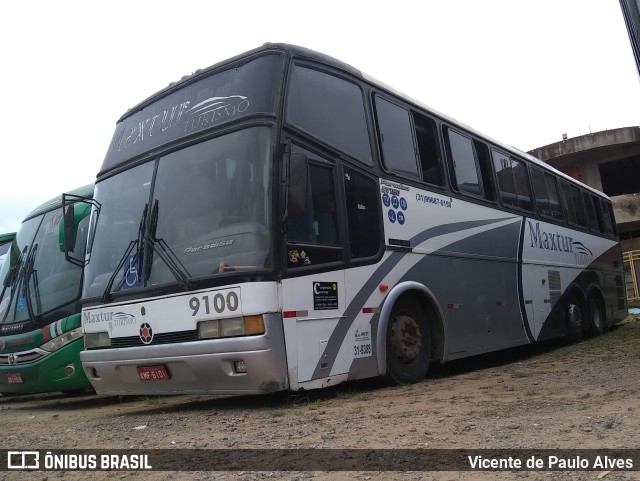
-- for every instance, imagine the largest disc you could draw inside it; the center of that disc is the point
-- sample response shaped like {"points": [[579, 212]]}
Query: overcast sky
{"points": [[522, 72]]}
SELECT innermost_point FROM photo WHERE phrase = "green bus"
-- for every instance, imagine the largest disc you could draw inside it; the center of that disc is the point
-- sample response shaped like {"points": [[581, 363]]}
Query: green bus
{"points": [[40, 328]]}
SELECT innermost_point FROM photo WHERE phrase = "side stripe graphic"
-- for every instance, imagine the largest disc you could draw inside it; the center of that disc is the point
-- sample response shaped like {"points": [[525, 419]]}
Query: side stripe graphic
{"points": [[352, 310], [523, 309]]}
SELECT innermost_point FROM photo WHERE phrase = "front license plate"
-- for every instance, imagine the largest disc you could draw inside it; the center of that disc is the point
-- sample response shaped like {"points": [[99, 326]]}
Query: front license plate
{"points": [[153, 373], [14, 378]]}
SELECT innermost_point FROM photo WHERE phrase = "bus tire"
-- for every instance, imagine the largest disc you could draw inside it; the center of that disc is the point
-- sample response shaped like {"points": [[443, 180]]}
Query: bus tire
{"points": [[596, 316], [408, 343], [574, 320]]}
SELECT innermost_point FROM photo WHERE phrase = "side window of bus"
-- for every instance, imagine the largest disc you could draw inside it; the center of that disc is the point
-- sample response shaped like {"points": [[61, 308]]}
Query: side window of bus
{"points": [[331, 109], [484, 160], [361, 194], [469, 164], [607, 215], [554, 197], [396, 138], [546, 193], [427, 139], [594, 215], [579, 206], [600, 214], [567, 202], [312, 228], [512, 181]]}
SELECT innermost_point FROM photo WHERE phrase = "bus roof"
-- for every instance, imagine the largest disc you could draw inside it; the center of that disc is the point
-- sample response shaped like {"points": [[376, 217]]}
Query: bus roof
{"points": [[201, 73], [84, 191], [303, 52]]}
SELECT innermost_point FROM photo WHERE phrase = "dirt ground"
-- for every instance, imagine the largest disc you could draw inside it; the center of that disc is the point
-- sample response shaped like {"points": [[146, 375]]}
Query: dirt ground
{"points": [[546, 396]]}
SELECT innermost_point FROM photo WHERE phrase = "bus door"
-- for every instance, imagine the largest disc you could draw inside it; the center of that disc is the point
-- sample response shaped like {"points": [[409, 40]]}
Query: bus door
{"points": [[315, 307], [313, 294]]}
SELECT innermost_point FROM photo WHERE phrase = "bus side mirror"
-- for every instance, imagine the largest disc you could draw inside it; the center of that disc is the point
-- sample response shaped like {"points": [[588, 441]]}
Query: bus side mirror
{"points": [[67, 238], [74, 209], [298, 178]]}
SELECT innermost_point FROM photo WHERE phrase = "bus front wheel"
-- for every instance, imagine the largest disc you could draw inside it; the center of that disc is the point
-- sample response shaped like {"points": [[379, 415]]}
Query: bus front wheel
{"points": [[408, 344]]}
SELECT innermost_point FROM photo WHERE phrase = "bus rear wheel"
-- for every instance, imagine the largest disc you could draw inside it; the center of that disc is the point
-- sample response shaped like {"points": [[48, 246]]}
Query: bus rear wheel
{"points": [[575, 321], [596, 316], [408, 344]]}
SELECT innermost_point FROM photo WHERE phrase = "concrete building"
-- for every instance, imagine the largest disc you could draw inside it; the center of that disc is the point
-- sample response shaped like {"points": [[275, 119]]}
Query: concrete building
{"points": [[608, 161]]}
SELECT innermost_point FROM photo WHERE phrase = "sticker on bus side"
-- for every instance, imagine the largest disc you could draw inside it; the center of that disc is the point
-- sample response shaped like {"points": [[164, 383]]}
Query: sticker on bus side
{"points": [[362, 343], [325, 295]]}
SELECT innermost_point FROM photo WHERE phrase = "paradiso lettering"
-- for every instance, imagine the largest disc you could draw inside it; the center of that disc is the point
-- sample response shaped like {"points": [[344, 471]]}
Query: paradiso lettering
{"points": [[202, 114]]}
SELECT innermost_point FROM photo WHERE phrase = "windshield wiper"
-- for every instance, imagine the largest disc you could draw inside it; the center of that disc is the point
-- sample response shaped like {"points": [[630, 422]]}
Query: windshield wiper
{"points": [[165, 253], [13, 280], [138, 244], [29, 273]]}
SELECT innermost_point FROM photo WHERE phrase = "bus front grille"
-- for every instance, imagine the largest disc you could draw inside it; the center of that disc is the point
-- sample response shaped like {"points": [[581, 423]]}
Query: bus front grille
{"points": [[163, 338], [18, 358]]}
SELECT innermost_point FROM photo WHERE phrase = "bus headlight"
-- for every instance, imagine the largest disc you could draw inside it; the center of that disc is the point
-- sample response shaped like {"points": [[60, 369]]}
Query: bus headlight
{"points": [[62, 340], [93, 340], [208, 329], [231, 327], [234, 326]]}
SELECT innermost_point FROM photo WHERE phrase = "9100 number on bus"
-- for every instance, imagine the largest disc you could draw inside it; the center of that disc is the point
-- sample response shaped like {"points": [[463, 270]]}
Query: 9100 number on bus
{"points": [[219, 302]]}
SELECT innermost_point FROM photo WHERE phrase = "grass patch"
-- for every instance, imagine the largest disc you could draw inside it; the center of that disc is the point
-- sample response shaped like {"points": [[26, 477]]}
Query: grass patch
{"points": [[349, 394], [363, 396], [313, 404], [621, 338], [154, 400]]}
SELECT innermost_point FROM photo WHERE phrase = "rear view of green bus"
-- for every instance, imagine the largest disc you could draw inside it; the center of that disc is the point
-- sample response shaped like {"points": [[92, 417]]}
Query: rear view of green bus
{"points": [[40, 286]]}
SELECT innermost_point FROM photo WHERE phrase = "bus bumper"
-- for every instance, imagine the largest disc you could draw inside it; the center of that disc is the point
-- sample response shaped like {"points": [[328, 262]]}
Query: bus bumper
{"points": [[206, 366], [59, 371]]}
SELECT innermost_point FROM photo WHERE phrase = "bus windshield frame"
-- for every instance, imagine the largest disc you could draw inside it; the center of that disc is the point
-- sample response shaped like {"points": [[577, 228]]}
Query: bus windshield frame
{"points": [[36, 278], [193, 214]]}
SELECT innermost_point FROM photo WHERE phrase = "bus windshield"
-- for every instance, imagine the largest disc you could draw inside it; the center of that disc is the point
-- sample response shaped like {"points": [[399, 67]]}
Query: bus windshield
{"points": [[205, 212], [36, 278]]}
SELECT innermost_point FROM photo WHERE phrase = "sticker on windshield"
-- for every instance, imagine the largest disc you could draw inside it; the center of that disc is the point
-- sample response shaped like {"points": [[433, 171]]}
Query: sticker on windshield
{"points": [[132, 272]]}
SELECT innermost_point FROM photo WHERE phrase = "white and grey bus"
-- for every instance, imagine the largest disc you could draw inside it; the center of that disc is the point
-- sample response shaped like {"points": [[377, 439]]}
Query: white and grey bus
{"points": [[281, 220]]}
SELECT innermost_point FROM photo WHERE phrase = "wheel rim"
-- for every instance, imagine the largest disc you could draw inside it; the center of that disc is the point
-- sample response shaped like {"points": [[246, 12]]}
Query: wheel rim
{"points": [[575, 315], [406, 340]]}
